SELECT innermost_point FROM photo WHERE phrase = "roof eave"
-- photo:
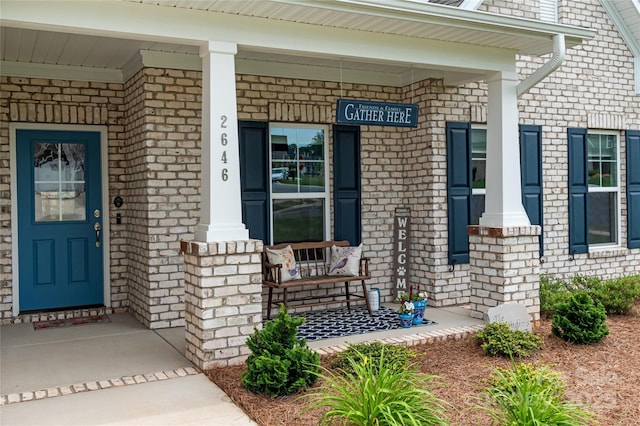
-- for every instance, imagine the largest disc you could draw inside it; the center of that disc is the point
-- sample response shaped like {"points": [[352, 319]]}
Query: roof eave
{"points": [[455, 17], [632, 42]]}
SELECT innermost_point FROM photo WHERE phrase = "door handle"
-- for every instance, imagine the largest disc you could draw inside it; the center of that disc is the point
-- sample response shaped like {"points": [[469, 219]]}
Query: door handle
{"points": [[96, 227]]}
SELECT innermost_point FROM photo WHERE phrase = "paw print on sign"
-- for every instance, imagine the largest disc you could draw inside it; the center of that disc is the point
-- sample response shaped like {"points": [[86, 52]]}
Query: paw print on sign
{"points": [[401, 271]]}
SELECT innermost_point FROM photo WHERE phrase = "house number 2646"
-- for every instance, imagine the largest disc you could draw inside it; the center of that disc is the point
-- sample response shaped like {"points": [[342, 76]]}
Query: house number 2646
{"points": [[224, 142]]}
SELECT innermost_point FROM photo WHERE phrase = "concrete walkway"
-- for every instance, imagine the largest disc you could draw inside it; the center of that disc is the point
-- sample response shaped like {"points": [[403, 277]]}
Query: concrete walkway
{"points": [[117, 373], [121, 373]]}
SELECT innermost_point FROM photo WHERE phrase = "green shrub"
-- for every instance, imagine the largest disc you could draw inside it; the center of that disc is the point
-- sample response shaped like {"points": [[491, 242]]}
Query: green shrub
{"points": [[395, 356], [507, 380], [499, 340], [531, 395], [553, 292], [280, 363], [616, 295], [372, 393], [580, 320]]}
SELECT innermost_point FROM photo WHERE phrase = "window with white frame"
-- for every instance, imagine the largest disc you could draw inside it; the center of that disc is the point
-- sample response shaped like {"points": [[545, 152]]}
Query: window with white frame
{"points": [[604, 188], [299, 183], [478, 171]]}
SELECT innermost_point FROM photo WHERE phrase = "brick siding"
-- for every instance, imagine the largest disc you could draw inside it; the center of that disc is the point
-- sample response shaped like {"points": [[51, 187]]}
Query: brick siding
{"points": [[153, 123], [223, 284], [33, 100], [593, 89], [163, 189]]}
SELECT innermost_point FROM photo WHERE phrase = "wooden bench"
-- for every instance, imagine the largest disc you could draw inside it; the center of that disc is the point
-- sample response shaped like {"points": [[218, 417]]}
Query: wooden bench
{"points": [[313, 259]]}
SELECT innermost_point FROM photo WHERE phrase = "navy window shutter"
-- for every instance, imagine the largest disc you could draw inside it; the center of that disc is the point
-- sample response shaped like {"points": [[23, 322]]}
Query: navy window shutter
{"points": [[531, 174], [458, 190], [633, 188], [578, 191], [254, 178], [346, 184]]}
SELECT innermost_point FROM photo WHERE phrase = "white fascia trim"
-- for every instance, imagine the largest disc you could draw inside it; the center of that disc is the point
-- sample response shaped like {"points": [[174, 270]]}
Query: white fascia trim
{"points": [[627, 36], [60, 72], [155, 59], [192, 27], [192, 62], [181, 61], [316, 72], [450, 16], [612, 11], [144, 58], [636, 63], [470, 4], [185, 26]]}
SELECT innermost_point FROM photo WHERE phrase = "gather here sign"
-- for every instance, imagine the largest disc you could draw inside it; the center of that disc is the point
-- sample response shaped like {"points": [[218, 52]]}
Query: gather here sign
{"points": [[376, 113]]}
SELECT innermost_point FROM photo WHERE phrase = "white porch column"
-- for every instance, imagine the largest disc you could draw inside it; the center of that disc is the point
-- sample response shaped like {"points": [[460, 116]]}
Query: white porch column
{"points": [[503, 199], [221, 209]]}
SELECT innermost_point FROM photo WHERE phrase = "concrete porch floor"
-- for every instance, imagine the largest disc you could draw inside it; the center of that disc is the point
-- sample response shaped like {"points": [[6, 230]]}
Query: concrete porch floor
{"points": [[121, 373], [117, 373], [454, 320]]}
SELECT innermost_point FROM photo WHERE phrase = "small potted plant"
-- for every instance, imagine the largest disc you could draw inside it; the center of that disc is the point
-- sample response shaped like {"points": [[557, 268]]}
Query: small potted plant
{"points": [[419, 299], [406, 310]]}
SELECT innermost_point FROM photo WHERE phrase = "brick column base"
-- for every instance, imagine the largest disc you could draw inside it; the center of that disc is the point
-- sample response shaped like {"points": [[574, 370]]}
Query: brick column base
{"points": [[505, 267], [223, 300]]}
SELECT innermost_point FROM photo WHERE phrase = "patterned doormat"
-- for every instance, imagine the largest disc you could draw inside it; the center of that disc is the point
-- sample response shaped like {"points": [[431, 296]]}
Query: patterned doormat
{"points": [[96, 319], [340, 322]]}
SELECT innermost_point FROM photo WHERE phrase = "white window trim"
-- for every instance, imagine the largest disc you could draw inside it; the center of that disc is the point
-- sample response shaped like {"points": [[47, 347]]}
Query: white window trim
{"points": [[477, 191], [297, 195], [616, 189]]}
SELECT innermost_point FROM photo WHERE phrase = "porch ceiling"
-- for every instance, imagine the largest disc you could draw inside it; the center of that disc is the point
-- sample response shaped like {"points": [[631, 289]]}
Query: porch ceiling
{"points": [[105, 38], [417, 18]]}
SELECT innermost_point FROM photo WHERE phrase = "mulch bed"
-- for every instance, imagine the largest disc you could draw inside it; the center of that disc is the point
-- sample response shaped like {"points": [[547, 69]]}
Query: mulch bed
{"points": [[606, 376]]}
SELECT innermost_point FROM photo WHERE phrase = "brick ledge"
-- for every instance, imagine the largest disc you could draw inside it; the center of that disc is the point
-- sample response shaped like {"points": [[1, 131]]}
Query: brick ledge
{"points": [[602, 253], [62, 315], [200, 248], [504, 232], [56, 391], [455, 333]]}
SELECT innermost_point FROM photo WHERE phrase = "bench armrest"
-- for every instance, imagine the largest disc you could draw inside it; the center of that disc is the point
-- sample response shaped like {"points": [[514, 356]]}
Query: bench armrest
{"points": [[272, 272], [364, 266]]}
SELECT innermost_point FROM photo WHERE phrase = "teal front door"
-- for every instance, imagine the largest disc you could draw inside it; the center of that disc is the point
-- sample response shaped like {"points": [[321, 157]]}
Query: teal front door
{"points": [[59, 219]]}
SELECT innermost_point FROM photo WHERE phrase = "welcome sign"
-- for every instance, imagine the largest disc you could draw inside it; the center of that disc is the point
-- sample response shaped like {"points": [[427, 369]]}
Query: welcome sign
{"points": [[401, 254], [376, 113]]}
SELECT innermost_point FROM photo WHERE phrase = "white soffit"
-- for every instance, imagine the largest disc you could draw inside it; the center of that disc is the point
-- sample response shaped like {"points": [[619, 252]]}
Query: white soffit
{"points": [[381, 41], [400, 17], [625, 14]]}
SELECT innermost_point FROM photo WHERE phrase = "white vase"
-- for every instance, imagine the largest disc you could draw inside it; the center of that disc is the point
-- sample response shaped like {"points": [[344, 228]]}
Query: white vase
{"points": [[374, 299]]}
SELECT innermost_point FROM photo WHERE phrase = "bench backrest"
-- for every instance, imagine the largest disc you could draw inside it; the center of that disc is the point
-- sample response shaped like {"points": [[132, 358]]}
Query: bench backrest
{"points": [[313, 258]]}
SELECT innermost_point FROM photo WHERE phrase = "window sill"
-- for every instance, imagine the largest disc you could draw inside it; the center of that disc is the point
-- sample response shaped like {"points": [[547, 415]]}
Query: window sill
{"points": [[603, 252]]}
